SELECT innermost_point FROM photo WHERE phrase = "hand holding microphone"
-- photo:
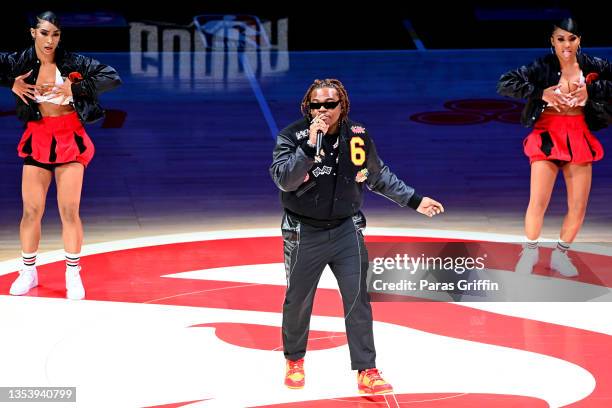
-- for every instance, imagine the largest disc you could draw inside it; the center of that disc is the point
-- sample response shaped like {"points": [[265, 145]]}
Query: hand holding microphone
{"points": [[318, 129], [319, 142]]}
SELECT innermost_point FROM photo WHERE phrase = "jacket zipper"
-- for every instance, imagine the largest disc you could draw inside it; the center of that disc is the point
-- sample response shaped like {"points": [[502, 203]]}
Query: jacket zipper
{"points": [[305, 189]]}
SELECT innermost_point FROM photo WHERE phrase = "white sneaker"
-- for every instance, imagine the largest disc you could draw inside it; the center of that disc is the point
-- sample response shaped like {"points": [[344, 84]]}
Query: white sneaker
{"points": [[529, 257], [28, 279], [74, 285], [560, 262]]}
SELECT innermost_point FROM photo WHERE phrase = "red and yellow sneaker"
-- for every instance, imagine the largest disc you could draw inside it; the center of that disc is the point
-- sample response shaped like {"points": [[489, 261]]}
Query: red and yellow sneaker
{"points": [[370, 382], [294, 374]]}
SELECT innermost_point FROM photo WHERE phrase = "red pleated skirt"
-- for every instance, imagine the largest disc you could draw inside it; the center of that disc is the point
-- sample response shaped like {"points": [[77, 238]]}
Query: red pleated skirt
{"points": [[57, 140], [562, 138]]}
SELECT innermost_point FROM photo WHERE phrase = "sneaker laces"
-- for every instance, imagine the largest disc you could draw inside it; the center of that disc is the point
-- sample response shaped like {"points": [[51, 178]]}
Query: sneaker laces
{"points": [[26, 271], [295, 366], [373, 375]]}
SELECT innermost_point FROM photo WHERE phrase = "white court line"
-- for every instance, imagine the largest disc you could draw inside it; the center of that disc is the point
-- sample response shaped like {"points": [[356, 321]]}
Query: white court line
{"points": [[12, 265]]}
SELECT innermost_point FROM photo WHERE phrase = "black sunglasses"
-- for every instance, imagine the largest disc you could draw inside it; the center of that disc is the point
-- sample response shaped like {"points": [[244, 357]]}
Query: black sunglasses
{"points": [[326, 105]]}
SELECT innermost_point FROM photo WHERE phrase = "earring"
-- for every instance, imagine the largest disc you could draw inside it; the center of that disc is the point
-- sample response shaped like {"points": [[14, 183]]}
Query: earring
{"points": [[579, 50], [552, 50]]}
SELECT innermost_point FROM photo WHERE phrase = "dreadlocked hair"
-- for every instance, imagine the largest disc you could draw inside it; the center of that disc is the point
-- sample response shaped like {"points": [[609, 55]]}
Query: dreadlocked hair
{"points": [[327, 83]]}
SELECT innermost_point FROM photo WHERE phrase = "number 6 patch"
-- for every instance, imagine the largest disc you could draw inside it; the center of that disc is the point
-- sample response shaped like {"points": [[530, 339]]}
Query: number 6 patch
{"points": [[358, 154]]}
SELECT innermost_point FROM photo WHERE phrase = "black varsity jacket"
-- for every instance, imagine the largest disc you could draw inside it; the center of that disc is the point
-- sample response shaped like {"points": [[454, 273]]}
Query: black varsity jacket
{"points": [[293, 159]]}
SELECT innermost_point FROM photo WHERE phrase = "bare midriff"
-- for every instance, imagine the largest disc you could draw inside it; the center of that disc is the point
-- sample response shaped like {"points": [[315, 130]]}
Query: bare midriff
{"points": [[569, 111], [51, 109]]}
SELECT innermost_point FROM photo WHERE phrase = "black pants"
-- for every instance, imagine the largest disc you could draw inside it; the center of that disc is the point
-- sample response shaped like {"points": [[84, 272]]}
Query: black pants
{"points": [[307, 251]]}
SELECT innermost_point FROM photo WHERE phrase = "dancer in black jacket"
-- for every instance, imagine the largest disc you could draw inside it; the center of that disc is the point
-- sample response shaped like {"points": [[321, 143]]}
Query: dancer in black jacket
{"points": [[56, 93], [568, 96]]}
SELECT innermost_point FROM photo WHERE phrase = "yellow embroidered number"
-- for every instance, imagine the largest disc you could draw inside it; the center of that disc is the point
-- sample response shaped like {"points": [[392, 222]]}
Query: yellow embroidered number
{"points": [[358, 155]]}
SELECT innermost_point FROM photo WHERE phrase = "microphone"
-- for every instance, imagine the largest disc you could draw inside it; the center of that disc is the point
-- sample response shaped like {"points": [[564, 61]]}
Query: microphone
{"points": [[320, 135]]}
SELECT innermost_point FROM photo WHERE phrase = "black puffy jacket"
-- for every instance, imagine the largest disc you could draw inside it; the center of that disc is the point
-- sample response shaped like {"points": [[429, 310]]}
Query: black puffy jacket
{"points": [[529, 81], [97, 78]]}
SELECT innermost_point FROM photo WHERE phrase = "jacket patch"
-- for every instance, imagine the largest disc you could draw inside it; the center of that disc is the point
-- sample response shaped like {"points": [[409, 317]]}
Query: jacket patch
{"points": [[362, 175], [358, 129], [321, 170], [301, 134]]}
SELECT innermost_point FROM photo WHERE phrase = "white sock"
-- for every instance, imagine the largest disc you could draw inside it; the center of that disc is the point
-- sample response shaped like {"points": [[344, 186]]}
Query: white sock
{"points": [[29, 260], [531, 244], [72, 261], [563, 246]]}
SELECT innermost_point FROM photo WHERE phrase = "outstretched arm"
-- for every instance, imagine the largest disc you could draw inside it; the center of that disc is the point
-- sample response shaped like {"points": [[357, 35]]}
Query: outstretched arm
{"points": [[430, 207], [383, 181]]}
